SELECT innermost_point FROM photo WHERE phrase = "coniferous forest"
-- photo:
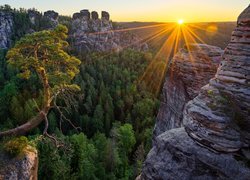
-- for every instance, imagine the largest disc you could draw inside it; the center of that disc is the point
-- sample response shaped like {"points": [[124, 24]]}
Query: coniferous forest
{"points": [[99, 127]]}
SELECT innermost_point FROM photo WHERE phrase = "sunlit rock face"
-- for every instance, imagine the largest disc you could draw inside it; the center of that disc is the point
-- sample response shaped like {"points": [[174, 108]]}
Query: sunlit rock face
{"points": [[189, 71], [214, 142], [6, 29], [91, 33], [219, 117], [19, 168]]}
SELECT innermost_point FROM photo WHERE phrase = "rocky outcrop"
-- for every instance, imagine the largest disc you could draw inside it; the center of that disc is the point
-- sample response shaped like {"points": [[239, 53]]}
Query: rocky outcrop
{"points": [[19, 168], [93, 34], [51, 17], [6, 29], [219, 117], [177, 156], [214, 142], [33, 16], [189, 71]]}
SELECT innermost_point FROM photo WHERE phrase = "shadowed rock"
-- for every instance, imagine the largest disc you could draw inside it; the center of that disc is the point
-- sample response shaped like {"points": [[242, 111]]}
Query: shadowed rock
{"points": [[94, 15], [51, 14], [6, 29], [52, 17], [85, 13], [214, 143], [188, 72], [76, 15], [105, 15], [33, 15], [220, 116]]}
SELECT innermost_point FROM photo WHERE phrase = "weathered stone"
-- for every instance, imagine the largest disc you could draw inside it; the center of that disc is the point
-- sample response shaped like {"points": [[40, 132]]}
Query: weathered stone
{"points": [[52, 17], [105, 15], [19, 168], [177, 156], [220, 116], [85, 14], [189, 71], [33, 15], [215, 141], [94, 15], [76, 15], [99, 35], [6, 29], [51, 14]]}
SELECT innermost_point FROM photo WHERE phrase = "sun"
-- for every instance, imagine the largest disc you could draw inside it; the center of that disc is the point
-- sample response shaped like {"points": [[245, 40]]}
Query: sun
{"points": [[180, 21]]}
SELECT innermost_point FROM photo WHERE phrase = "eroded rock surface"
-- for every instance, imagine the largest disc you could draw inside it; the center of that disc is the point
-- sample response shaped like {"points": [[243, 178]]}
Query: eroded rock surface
{"points": [[219, 117], [6, 29], [93, 34], [214, 142], [177, 156], [52, 17], [188, 72], [19, 168]]}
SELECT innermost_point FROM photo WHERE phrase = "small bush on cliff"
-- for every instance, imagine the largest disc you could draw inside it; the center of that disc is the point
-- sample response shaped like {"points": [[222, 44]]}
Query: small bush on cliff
{"points": [[16, 146]]}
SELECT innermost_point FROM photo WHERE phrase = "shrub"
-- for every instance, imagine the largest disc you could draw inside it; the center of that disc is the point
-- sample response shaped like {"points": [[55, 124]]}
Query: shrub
{"points": [[16, 146]]}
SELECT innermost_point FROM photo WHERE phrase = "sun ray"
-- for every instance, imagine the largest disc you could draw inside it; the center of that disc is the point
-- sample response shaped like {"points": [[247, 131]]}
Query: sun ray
{"points": [[124, 30], [167, 50], [149, 38]]}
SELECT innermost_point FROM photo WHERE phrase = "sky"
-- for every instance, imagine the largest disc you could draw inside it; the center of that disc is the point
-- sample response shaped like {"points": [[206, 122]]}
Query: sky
{"points": [[144, 10]]}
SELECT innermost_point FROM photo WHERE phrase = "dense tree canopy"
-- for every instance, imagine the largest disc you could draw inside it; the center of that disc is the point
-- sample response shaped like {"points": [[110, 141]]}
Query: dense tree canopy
{"points": [[43, 53], [101, 132]]}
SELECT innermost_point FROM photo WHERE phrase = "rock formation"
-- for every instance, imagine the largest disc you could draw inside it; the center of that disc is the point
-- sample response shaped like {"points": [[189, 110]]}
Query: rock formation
{"points": [[188, 72], [214, 142], [93, 34], [52, 17], [33, 16], [19, 168], [6, 29], [88, 32]]}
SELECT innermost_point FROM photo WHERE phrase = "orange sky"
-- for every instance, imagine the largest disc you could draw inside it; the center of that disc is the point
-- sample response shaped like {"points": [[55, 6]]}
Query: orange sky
{"points": [[145, 10]]}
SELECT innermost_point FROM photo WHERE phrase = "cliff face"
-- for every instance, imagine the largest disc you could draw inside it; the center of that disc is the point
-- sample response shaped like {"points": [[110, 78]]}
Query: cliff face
{"points": [[6, 29], [88, 32], [19, 168], [91, 33], [188, 72], [214, 142], [7, 24]]}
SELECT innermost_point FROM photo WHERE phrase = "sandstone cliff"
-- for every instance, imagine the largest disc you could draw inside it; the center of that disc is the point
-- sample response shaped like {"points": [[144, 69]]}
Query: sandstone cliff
{"points": [[214, 142], [188, 72], [87, 33], [6, 28], [8, 24], [91, 33]]}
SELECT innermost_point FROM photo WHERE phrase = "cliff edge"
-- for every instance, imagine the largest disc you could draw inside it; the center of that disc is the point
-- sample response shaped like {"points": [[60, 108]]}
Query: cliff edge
{"points": [[214, 142]]}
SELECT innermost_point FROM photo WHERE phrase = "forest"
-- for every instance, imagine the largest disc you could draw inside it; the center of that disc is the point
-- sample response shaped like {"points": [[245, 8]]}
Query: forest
{"points": [[101, 125]]}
